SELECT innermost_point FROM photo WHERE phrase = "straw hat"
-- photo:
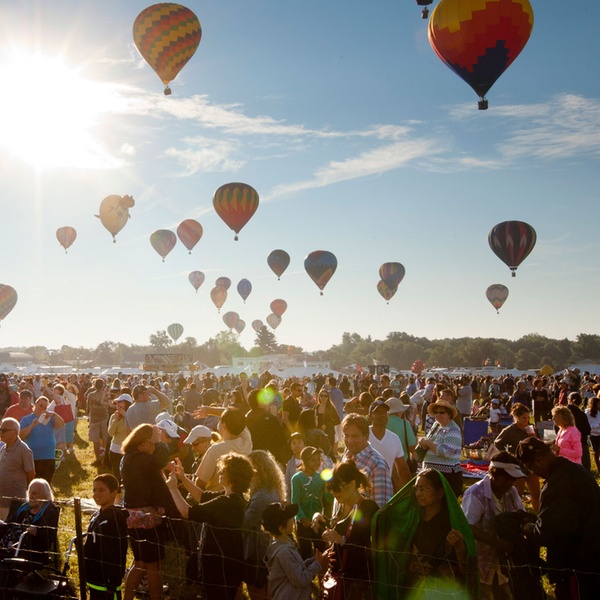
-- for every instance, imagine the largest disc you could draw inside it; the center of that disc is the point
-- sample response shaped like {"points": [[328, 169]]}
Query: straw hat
{"points": [[442, 404]]}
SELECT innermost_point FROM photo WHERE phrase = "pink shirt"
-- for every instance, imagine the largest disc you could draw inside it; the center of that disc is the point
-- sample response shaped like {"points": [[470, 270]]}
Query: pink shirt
{"points": [[569, 442]]}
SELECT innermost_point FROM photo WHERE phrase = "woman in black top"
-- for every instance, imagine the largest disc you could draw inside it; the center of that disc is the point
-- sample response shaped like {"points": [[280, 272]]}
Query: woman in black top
{"points": [[222, 557]]}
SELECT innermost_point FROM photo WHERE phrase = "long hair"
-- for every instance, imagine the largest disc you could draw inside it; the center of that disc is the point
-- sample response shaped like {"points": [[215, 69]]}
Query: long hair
{"points": [[139, 435], [268, 474]]}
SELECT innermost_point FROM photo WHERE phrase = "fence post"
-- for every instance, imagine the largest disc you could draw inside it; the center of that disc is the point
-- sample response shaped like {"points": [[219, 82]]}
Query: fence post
{"points": [[79, 547]]}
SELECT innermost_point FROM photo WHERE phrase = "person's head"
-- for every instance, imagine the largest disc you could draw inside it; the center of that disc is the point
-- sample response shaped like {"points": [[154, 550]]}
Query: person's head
{"points": [[278, 520], [254, 400], [307, 420], [574, 398], [443, 411], [235, 472], [563, 417], [311, 459], [38, 493], [347, 481], [356, 432], [365, 399], [236, 397], [140, 393], [429, 489], [139, 439], [9, 430], [267, 474], [323, 396], [200, 438], [105, 490], [232, 423], [538, 383], [378, 412], [40, 406], [331, 382], [296, 443], [536, 456], [594, 403], [99, 384], [447, 395], [296, 390], [504, 470], [168, 430], [520, 414]]}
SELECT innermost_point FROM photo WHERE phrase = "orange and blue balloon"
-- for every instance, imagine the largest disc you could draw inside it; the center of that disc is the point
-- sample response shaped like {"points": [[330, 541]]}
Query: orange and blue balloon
{"points": [[392, 273], [320, 266]]}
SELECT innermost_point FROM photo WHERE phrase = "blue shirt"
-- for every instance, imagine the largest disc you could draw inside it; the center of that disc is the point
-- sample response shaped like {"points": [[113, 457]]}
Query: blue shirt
{"points": [[41, 438]]}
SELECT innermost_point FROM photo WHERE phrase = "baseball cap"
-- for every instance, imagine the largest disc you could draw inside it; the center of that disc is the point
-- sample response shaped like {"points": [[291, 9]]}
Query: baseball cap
{"points": [[124, 398], [168, 426], [200, 431], [276, 515], [378, 403]]}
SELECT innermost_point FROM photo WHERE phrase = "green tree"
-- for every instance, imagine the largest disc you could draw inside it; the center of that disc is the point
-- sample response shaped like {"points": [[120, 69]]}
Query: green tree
{"points": [[266, 341], [525, 359], [160, 341]]}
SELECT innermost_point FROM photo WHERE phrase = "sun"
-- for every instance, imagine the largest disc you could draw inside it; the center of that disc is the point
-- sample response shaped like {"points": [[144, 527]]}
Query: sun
{"points": [[48, 114]]}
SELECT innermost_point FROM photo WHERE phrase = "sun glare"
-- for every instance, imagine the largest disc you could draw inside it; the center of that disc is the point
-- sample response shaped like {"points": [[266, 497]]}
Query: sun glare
{"points": [[48, 112]]}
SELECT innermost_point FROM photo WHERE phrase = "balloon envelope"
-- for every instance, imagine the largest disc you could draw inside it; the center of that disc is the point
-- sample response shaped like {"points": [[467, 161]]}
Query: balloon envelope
{"points": [[218, 295], [66, 236], [114, 212], [163, 241], [257, 325], [235, 203], [189, 233], [278, 307], [278, 261], [497, 295], [175, 330], [167, 36], [274, 321], [230, 319], [512, 242], [320, 266], [240, 326], [224, 282], [8, 299], [244, 287], [196, 279], [479, 39], [387, 292], [392, 273]]}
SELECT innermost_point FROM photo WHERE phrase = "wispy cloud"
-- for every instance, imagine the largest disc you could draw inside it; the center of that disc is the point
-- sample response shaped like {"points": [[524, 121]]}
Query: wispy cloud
{"points": [[206, 154]]}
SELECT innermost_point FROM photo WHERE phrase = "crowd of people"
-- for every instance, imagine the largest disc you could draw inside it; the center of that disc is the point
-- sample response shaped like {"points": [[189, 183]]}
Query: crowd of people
{"points": [[338, 488]]}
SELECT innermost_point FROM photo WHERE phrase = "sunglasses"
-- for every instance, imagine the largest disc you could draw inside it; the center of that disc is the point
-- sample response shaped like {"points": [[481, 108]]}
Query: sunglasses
{"points": [[440, 412], [335, 487], [4, 430]]}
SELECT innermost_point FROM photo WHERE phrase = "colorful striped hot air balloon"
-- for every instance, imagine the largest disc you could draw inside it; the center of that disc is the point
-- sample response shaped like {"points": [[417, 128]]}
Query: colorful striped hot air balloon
{"points": [[320, 266], [189, 233], [196, 278], [163, 241], [167, 35], [497, 295], [8, 299], [392, 273], [512, 242], [235, 203], [479, 39], [386, 292], [175, 330], [66, 236], [218, 295]]}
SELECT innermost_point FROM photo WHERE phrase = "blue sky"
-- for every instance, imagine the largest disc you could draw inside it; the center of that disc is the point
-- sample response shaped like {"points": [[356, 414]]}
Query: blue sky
{"points": [[358, 140]]}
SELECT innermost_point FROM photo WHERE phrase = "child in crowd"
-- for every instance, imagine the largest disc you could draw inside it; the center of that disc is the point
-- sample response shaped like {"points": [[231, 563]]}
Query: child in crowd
{"points": [[290, 577], [296, 444], [495, 416], [105, 548]]}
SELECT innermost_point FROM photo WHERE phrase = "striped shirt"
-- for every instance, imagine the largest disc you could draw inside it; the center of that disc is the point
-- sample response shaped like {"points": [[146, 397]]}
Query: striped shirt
{"points": [[448, 441], [373, 465]]}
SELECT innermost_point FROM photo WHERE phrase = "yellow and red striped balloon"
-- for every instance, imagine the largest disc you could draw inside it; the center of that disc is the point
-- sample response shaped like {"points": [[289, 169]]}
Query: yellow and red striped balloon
{"points": [[235, 203], [167, 36], [479, 39]]}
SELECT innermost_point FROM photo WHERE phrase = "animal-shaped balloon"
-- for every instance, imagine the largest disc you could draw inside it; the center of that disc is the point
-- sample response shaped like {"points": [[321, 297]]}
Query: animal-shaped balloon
{"points": [[167, 36], [66, 236], [235, 203], [114, 213]]}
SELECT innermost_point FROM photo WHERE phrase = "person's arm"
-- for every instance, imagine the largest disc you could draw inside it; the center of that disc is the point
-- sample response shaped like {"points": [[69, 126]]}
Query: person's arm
{"points": [[165, 401], [182, 506], [205, 411], [25, 431], [58, 421], [285, 415], [194, 490], [30, 476], [402, 473], [381, 485]]}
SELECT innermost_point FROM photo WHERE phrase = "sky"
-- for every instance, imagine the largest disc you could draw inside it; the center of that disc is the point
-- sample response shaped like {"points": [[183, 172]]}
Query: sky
{"points": [[359, 141]]}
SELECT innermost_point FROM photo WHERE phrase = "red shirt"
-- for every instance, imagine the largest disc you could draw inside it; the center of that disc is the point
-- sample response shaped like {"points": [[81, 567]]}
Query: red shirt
{"points": [[16, 412]]}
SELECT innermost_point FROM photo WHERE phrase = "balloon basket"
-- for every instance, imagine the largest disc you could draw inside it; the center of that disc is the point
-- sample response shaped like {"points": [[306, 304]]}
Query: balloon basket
{"points": [[235, 239], [482, 104], [424, 13], [167, 91]]}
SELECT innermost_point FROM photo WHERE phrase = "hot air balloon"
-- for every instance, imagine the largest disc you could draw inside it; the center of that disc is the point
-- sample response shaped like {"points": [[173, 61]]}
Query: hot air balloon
{"points": [[320, 266], [240, 326], [497, 295], [189, 233], [244, 288], [196, 279], [424, 4], [66, 236], [387, 292], [8, 299], [279, 261], [167, 35], [175, 330], [163, 241], [512, 242], [235, 203], [479, 39], [218, 295], [114, 213], [224, 282], [257, 325], [274, 321], [278, 307], [392, 273], [230, 319]]}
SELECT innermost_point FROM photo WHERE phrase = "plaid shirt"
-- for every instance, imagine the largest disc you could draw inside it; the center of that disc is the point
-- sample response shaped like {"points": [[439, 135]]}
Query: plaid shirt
{"points": [[373, 465]]}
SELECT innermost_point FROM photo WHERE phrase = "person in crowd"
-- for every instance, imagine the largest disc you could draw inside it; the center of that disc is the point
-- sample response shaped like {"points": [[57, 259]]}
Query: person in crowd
{"points": [[358, 449], [349, 531], [521, 395], [443, 444], [308, 489], [37, 431], [327, 415], [541, 401], [222, 512], [568, 437], [118, 430], [200, 439], [567, 524], [98, 399], [481, 503], [335, 395], [65, 436], [290, 577], [313, 435], [265, 428], [38, 519], [23, 407], [464, 399], [291, 408], [593, 416], [509, 439], [148, 500], [388, 444], [105, 546], [267, 487], [297, 444], [7, 395], [397, 422], [583, 426], [17, 469], [144, 409]]}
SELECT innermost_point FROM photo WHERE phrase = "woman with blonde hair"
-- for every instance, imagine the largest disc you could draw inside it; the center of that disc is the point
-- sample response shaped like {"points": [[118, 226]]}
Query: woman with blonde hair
{"points": [[568, 437]]}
